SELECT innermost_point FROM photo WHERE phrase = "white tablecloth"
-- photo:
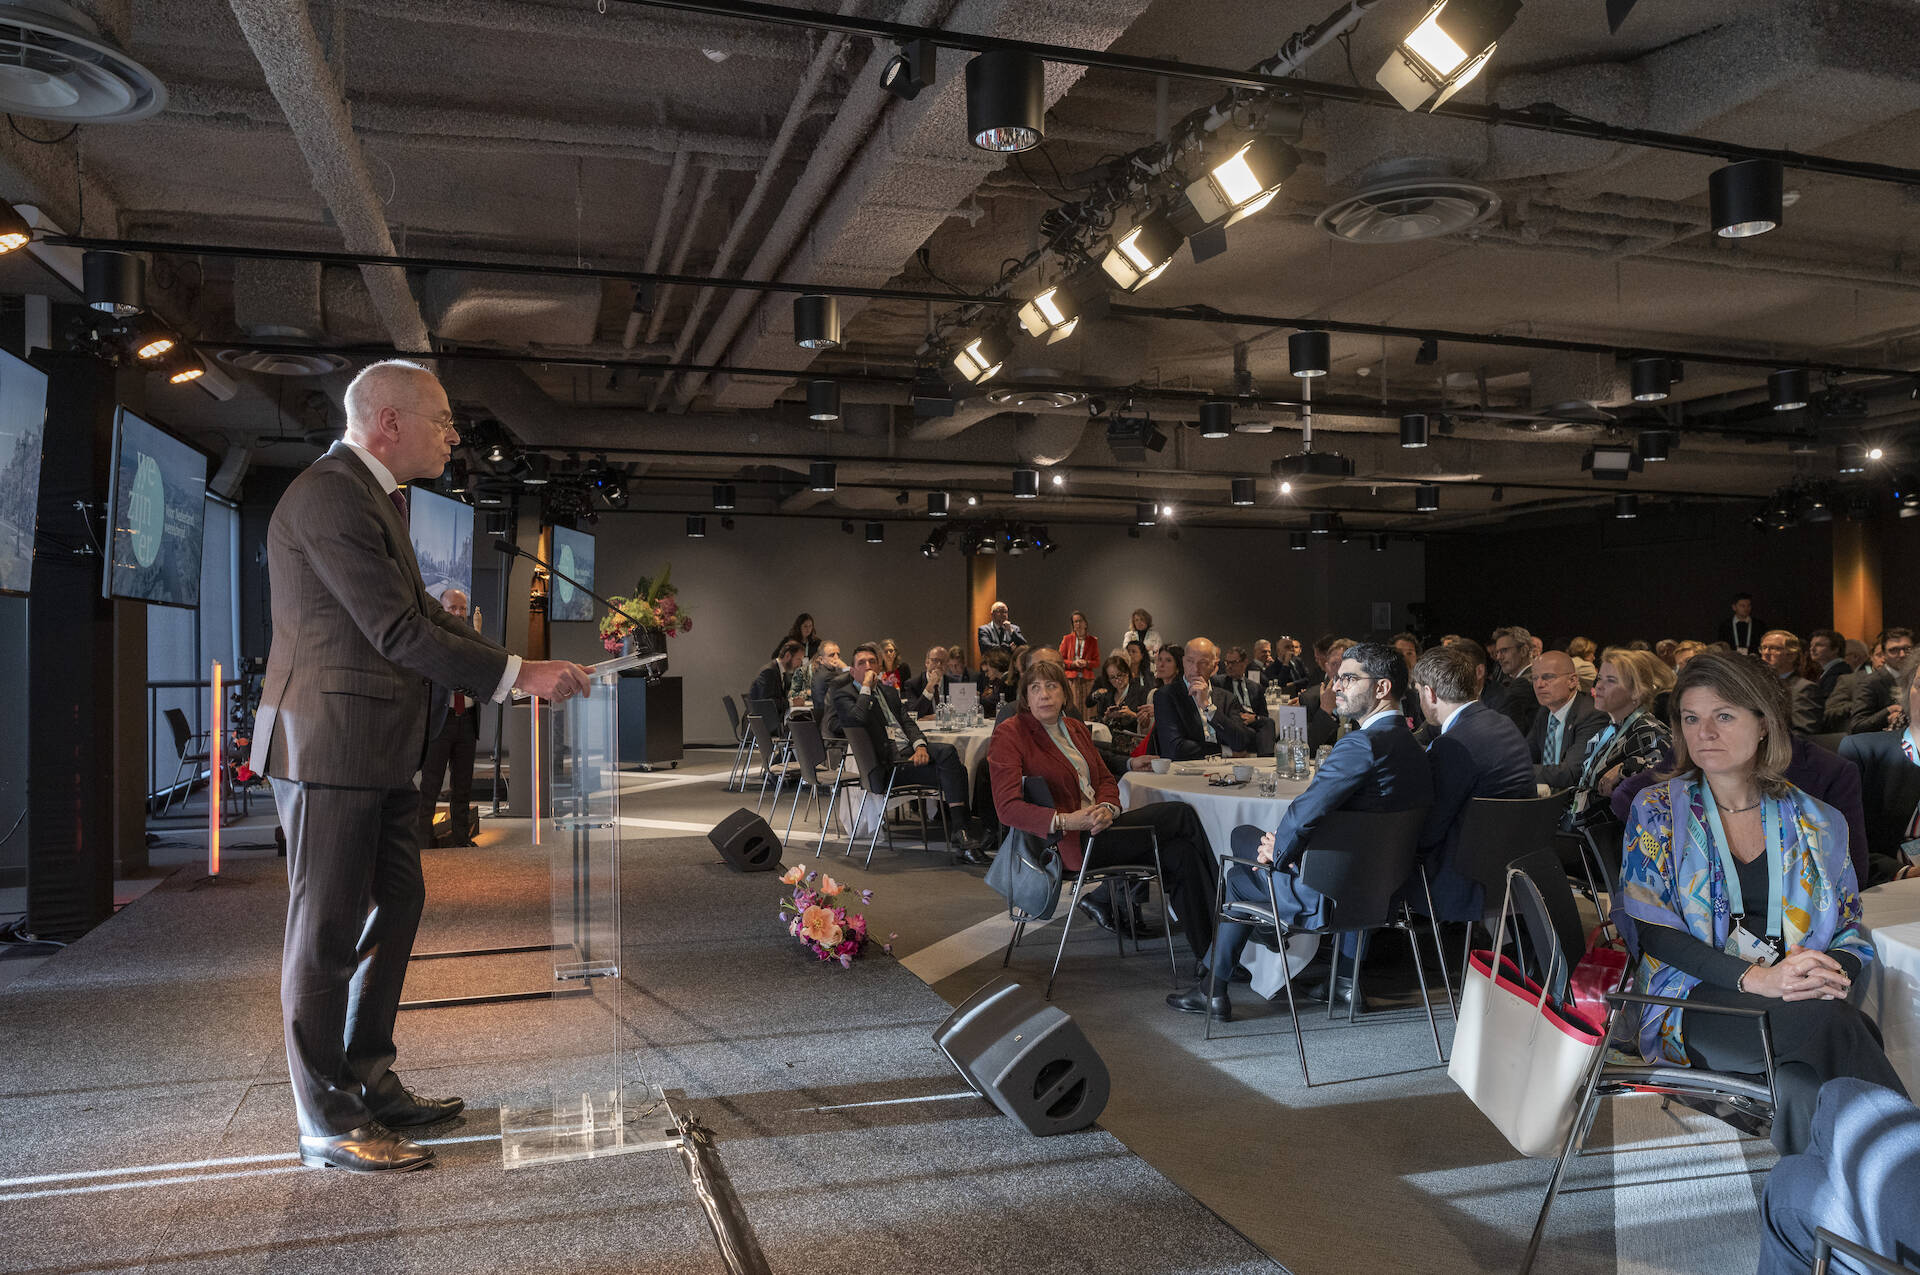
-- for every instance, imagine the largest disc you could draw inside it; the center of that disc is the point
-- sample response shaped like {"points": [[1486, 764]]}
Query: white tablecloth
{"points": [[972, 743], [1892, 920]]}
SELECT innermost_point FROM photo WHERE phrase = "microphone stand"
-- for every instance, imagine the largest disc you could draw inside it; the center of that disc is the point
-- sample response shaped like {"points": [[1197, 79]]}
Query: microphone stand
{"points": [[654, 665]]}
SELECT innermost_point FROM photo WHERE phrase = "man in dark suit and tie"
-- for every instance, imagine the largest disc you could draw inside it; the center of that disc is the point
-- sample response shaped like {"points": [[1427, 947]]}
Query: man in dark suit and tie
{"points": [[341, 729], [1740, 630], [771, 682], [1826, 651], [1192, 720], [453, 740], [1567, 721], [827, 665], [1780, 652], [1871, 707], [999, 633], [1889, 763], [1476, 753], [1377, 767], [1513, 696], [1238, 679]]}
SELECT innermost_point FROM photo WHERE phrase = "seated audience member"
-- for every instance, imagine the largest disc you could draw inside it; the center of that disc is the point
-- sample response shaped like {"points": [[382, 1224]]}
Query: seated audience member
{"points": [[1120, 700], [1262, 656], [1307, 684], [1080, 657], [1028, 656], [894, 671], [1476, 753], [1319, 700], [827, 665], [999, 633], [861, 701], [775, 677], [1409, 647], [1581, 651], [1041, 740], [1143, 632], [1139, 663], [1168, 662], [1872, 700], [1859, 1178], [1191, 718], [1293, 662], [1241, 682], [1634, 738], [921, 692], [1665, 648], [1377, 767], [1739, 630], [1889, 763], [1827, 654], [1513, 696], [1684, 651], [1780, 652], [1566, 723], [803, 633], [996, 680], [1736, 890]]}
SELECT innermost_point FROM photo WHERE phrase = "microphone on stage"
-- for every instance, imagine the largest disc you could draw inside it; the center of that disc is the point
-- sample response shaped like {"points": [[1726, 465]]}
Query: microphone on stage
{"points": [[509, 548]]}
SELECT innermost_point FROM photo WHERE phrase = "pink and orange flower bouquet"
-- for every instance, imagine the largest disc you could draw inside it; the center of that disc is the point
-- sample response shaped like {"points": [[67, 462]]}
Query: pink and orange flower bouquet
{"points": [[817, 915]]}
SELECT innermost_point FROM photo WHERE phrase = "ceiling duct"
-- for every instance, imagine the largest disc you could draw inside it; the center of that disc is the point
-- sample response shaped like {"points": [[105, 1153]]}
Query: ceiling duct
{"points": [[1407, 199], [317, 363], [56, 65], [511, 309]]}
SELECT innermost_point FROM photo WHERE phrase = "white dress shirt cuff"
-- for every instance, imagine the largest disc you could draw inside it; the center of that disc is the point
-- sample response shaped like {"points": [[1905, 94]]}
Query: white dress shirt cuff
{"points": [[507, 680]]}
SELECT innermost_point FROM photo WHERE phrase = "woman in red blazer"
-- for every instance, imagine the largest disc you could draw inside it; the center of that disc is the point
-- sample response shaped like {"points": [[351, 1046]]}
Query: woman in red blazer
{"points": [[1080, 656], [1086, 800]]}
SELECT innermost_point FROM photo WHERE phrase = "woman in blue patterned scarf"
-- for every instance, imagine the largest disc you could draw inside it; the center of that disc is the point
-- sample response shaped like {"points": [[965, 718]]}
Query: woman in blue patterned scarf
{"points": [[1737, 890]]}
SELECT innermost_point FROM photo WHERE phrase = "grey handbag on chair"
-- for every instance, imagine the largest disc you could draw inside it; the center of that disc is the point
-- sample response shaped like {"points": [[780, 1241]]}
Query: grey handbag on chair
{"points": [[1027, 871]]}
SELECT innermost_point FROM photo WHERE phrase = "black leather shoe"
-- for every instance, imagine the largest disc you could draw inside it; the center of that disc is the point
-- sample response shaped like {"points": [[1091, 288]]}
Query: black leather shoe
{"points": [[1196, 1001], [411, 1110], [1140, 928], [372, 1148], [1095, 913], [970, 854], [1342, 992]]}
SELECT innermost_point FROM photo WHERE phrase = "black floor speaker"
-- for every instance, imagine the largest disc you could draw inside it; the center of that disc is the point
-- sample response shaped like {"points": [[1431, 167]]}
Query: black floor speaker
{"points": [[746, 842], [1027, 1057]]}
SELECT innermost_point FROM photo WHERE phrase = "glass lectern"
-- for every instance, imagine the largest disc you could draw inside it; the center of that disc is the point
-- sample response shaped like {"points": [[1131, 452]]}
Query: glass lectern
{"points": [[595, 1102]]}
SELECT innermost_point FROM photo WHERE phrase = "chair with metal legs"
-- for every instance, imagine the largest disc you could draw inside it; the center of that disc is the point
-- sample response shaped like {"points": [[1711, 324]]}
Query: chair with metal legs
{"points": [[881, 779], [1357, 861], [1112, 857], [810, 751], [192, 752], [1493, 833], [771, 749], [742, 744]]}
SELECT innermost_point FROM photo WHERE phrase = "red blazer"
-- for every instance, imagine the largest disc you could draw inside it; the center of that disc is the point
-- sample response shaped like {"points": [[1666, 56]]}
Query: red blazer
{"points": [[1021, 747], [1086, 648]]}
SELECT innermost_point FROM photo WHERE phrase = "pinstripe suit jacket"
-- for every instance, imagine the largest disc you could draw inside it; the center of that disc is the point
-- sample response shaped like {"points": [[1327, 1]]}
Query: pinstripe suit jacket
{"points": [[356, 637]]}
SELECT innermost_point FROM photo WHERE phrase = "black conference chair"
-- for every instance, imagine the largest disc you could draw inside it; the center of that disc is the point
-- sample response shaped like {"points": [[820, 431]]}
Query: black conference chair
{"points": [[882, 779], [1493, 833], [742, 743], [191, 750], [810, 752], [771, 749], [1550, 927], [1358, 860]]}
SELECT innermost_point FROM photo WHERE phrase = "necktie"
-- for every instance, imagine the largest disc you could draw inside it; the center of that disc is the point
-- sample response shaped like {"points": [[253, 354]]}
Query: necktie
{"points": [[399, 499], [459, 702], [1550, 755]]}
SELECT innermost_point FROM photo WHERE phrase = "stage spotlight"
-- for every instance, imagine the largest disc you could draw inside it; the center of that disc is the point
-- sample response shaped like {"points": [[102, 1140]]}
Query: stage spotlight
{"points": [[1005, 103], [1413, 429], [1059, 479], [497, 453], [816, 322], [183, 366], [1244, 182], [1789, 389], [1309, 353], [820, 475], [936, 541], [1243, 491], [1145, 515], [457, 480], [697, 526], [1026, 484], [114, 283], [981, 357], [909, 70], [1053, 315], [14, 231], [1612, 464], [1297, 540], [1441, 55], [148, 338], [1216, 418], [1852, 458], [876, 532], [1745, 198], [936, 504], [723, 496], [614, 493], [537, 471], [1626, 505], [823, 400], [1876, 453], [1286, 489], [972, 501], [1653, 444], [1137, 257], [1652, 379], [1426, 498], [1320, 524]]}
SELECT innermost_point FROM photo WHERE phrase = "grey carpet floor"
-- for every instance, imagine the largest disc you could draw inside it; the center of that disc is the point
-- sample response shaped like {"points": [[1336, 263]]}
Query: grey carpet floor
{"points": [[148, 1122]]}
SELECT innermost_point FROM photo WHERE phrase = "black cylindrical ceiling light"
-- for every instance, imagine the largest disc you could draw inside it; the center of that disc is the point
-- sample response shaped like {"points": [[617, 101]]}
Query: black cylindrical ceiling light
{"points": [[1851, 458], [816, 322], [1310, 353], [1652, 379], [1413, 429], [114, 283], [1145, 515], [1652, 444], [876, 532], [1745, 198], [1378, 540], [1243, 491], [1026, 484], [1426, 498], [723, 496], [820, 475], [936, 504], [1296, 540], [1005, 103], [1320, 524], [697, 526], [1789, 389], [823, 400], [1626, 505], [1216, 418], [538, 470]]}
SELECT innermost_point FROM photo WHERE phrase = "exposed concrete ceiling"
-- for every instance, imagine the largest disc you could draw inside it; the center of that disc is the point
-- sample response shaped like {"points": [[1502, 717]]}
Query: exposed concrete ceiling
{"points": [[640, 138]]}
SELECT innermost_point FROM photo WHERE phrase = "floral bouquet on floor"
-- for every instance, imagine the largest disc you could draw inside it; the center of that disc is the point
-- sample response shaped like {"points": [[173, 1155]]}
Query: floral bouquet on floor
{"points": [[818, 917], [655, 602]]}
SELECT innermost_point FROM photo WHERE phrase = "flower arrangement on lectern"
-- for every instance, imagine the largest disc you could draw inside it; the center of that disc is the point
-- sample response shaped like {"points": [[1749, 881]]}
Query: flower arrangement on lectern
{"points": [[817, 915], [655, 602]]}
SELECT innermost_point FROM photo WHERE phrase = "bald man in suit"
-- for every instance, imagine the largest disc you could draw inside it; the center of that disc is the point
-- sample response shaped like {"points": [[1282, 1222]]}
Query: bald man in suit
{"points": [[340, 733]]}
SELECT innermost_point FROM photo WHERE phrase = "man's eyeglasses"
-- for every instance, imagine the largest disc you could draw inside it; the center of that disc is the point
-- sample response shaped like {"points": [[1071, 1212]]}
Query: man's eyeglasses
{"points": [[1347, 679], [443, 422]]}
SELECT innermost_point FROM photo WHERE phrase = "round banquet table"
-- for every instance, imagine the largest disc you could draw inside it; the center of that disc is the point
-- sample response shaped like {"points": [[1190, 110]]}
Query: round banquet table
{"points": [[1891, 919], [972, 743]]}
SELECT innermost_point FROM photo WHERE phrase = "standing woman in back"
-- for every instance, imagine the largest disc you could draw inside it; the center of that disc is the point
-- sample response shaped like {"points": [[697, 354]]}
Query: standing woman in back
{"points": [[1080, 656], [802, 632]]}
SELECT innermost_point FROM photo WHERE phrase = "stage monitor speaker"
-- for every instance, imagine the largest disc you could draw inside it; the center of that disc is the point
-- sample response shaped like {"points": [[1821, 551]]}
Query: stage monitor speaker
{"points": [[1026, 1057], [746, 842]]}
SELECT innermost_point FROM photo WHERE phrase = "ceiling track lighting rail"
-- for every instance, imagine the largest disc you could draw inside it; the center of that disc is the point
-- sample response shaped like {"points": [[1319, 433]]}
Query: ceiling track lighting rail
{"points": [[1544, 118]]}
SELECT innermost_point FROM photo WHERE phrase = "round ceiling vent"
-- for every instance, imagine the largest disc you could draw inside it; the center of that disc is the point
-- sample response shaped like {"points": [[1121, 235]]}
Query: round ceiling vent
{"points": [[1035, 398], [54, 65], [1408, 200], [313, 364]]}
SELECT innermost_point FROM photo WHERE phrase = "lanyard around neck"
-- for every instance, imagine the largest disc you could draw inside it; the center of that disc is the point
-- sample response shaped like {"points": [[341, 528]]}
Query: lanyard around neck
{"points": [[1730, 867]]}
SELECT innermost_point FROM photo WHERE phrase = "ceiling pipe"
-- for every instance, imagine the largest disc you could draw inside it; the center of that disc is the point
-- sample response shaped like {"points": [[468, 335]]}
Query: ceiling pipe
{"points": [[690, 226], [662, 220], [622, 27]]}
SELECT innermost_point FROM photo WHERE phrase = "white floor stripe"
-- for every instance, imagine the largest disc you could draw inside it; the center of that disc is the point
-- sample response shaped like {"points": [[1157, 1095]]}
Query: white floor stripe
{"points": [[954, 953], [650, 783]]}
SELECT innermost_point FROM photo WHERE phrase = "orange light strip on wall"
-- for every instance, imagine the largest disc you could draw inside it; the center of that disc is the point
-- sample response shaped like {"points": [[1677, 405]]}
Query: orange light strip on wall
{"points": [[534, 705], [217, 754]]}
